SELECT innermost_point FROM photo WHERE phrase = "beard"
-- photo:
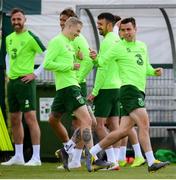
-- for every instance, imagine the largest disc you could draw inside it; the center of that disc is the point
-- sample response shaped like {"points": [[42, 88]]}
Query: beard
{"points": [[18, 27], [100, 32]]}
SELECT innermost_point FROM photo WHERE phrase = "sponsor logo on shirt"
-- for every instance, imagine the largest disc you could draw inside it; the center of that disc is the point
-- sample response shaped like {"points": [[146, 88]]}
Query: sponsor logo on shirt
{"points": [[128, 49], [139, 59], [68, 48]]}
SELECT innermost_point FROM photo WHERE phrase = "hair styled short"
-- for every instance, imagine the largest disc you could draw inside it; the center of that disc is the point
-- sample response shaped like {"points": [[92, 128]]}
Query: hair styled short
{"points": [[68, 12], [73, 21], [109, 17], [129, 20], [16, 10]]}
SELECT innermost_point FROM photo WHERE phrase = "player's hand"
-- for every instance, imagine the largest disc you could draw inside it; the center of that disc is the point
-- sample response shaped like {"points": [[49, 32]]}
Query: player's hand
{"points": [[92, 54], [158, 71], [29, 77], [80, 55], [76, 66], [90, 97]]}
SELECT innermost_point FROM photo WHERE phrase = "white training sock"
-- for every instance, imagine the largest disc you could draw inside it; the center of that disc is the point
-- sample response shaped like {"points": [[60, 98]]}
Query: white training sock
{"points": [[137, 150], [36, 152], [122, 153], [95, 149], [69, 147], [110, 155], [77, 155], [19, 151], [150, 157], [116, 153]]}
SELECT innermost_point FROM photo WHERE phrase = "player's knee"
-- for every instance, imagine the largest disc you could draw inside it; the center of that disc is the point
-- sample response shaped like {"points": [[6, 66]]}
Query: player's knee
{"points": [[53, 118], [100, 124], [124, 132], [144, 126], [15, 122]]}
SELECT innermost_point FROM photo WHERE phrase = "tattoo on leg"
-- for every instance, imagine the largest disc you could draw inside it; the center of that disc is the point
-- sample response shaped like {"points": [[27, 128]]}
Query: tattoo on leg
{"points": [[76, 136], [86, 135]]}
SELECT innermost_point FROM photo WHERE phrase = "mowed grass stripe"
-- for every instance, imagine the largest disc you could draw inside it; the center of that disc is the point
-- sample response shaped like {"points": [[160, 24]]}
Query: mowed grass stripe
{"points": [[49, 171]]}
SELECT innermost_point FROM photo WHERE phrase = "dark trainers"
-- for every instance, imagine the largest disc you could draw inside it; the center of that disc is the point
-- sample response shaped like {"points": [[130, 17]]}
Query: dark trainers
{"points": [[63, 156], [100, 164], [89, 160], [157, 165]]}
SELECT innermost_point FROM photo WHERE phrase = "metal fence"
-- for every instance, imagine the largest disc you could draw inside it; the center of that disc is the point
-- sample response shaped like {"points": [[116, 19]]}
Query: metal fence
{"points": [[160, 101]]}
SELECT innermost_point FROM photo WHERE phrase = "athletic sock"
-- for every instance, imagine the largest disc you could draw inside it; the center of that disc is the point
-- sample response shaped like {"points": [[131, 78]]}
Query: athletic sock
{"points": [[95, 149], [122, 153], [36, 152], [69, 147], [19, 151], [116, 153], [150, 157], [137, 150], [110, 155], [77, 155]]}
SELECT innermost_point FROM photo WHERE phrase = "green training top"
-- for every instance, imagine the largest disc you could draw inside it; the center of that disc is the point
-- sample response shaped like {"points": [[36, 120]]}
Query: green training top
{"points": [[59, 59], [133, 61], [21, 49], [86, 64], [112, 79]]}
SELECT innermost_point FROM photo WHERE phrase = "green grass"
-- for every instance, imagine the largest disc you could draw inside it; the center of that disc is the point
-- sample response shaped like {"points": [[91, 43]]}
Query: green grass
{"points": [[49, 171]]}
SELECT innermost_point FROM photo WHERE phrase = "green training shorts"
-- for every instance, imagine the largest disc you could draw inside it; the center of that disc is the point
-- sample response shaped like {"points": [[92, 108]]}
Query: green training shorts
{"points": [[21, 96], [67, 100], [106, 103], [83, 89], [131, 98]]}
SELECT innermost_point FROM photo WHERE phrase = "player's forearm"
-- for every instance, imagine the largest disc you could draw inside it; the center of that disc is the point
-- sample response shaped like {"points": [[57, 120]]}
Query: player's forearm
{"points": [[85, 69], [54, 66], [99, 80], [150, 70]]}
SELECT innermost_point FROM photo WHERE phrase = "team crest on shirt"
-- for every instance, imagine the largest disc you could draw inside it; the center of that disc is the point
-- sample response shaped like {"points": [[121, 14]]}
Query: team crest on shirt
{"points": [[68, 48], [141, 102], [80, 99], [10, 42], [14, 53], [128, 49]]}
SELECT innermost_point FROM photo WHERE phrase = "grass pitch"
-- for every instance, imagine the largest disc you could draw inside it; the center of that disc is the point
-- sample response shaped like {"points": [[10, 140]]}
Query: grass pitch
{"points": [[49, 171]]}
